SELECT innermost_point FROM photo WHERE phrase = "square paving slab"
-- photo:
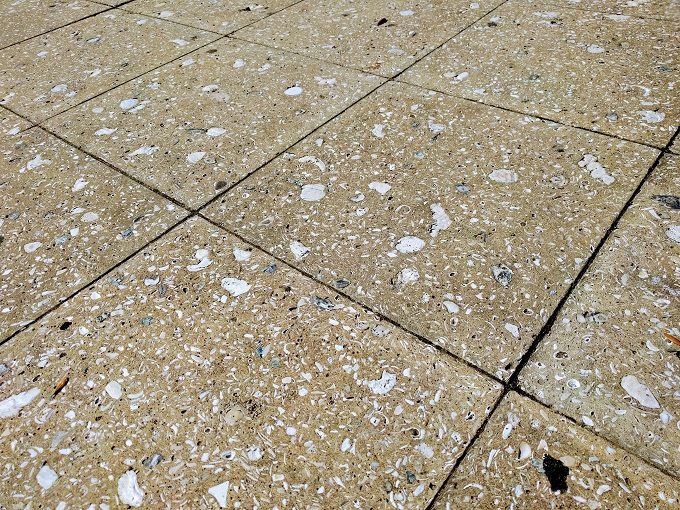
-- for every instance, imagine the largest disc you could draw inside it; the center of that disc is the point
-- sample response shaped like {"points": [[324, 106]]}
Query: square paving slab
{"points": [[463, 222], [50, 73], [223, 16], [194, 127], [64, 219], [665, 9], [22, 19], [612, 358], [604, 72], [529, 457], [378, 36], [201, 375]]}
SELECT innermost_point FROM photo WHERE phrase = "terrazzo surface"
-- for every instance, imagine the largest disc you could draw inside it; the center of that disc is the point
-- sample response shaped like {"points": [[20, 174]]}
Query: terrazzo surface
{"points": [[315, 254]]}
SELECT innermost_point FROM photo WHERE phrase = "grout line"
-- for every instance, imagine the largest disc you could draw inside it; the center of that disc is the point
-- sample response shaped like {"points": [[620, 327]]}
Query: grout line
{"points": [[651, 17], [94, 280], [350, 298], [223, 34], [579, 424], [535, 115], [105, 8], [511, 384], [320, 126]]}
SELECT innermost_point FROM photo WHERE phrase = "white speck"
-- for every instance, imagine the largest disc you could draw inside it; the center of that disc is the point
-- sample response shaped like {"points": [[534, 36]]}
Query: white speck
{"points": [[128, 490], [80, 184], [380, 187], [460, 77], [311, 159], [652, 117], [378, 130], [203, 261], [60, 88], [346, 445], [451, 307], [503, 175], [234, 286], [89, 217], [166, 14], [215, 131], [330, 82], [180, 42], [474, 5], [665, 417], [406, 276], [105, 131], [597, 171], [239, 63], [512, 329], [46, 477], [673, 233], [434, 127], [14, 131], [384, 384], [524, 451], [425, 450], [188, 62], [126, 104], [409, 244], [220, 493], [145, 150], [602, 489], [313, 192], [31, 247], [594, 48], [588, 421], [639, 391], [195, 157], [293, 91], [407, 12], [241, 255], [114, 389], [300, 251], [36, 162], [12, 405], [440, 220], [291, 431]]}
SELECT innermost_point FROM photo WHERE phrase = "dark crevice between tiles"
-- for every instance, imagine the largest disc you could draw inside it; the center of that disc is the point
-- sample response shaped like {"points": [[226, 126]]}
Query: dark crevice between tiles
{"points": [[382, 316], [107, 9], [579, 424], [512, 384], [184, 24], [651, 17], [93, 281], [540, 117]]}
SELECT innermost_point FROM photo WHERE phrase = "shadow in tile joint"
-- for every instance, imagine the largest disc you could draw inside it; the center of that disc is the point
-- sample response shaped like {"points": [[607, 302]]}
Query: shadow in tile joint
{"points": [[512, 384]]}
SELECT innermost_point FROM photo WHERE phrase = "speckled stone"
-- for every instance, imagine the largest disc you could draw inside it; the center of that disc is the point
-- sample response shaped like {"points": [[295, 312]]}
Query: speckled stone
{"points": [[208, 376], [22, 19], [608, 362], [526, 451], [223, 16], [64, 219], [196, 126], [379, 36], [664, 9], [604, 72], [48, 74], [464, 223]]}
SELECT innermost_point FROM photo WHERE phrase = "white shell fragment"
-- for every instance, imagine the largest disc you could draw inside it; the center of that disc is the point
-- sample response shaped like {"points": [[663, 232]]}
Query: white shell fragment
{"points": [[129, 492], [639, 391]]}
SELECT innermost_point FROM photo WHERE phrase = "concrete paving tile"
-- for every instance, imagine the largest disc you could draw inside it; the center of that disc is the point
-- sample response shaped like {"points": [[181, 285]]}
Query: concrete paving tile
{"points": [[610, 360], [194, 127], [43, 16], [604, 72], [223, 16], [530, 457], [45, 75], [200, 375], [664, 9], [64, 219], [380, 36], [464, 223]]}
